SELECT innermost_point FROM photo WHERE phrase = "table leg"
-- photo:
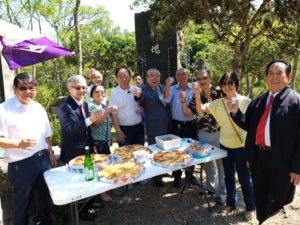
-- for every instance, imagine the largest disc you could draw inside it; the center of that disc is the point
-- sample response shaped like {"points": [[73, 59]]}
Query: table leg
{"points": [[74, 213]]}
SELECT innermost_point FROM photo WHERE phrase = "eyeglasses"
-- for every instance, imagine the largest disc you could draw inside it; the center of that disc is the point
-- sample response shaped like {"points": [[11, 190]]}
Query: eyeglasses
{"points": [[229, 83], [23, 88], [203, 78], [78, 88]]}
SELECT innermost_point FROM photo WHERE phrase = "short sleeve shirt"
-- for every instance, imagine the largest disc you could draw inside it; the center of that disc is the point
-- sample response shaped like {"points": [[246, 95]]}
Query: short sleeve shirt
{"points": [[206, 121], [19, 121]]}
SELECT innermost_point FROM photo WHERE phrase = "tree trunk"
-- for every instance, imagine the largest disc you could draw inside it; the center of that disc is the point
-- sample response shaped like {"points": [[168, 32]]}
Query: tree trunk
{"points": [[295, 67], [78, 38]]}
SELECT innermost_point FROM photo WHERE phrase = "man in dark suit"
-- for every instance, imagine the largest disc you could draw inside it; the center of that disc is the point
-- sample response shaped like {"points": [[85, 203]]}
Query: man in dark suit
{"points": [[273, 140], [74, 120], [157, 111]]}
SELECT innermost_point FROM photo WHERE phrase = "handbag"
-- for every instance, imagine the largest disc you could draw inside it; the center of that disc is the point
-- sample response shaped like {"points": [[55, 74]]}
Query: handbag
{"points": [[230, 119]]}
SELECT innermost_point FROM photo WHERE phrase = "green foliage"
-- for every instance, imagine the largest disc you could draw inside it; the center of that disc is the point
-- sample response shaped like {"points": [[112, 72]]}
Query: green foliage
{"points": [[45, 95], [55, 125]]}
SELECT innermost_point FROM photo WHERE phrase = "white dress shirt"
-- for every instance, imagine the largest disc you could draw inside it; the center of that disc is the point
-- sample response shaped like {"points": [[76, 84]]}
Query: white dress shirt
{"points": [[267, 127], [19, 121]]}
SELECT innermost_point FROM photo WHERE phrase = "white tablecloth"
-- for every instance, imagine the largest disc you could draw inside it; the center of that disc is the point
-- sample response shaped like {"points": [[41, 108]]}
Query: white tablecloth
{"points": [[67, 187]]}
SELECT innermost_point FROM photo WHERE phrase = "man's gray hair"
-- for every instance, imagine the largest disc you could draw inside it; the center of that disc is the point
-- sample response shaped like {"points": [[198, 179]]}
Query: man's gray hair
{"points": [[152, 71], [74, 79]]}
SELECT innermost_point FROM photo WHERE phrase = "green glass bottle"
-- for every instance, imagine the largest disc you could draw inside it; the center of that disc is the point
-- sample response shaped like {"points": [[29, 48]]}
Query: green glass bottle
{"points": [[88, 165]]}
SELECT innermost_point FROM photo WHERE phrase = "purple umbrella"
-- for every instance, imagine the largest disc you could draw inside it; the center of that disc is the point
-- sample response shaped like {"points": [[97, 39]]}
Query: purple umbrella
{"points": [[29, 52]]}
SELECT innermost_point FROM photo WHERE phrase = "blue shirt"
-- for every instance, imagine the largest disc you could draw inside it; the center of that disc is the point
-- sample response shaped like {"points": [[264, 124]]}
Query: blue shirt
{"points": [[176, 105]]}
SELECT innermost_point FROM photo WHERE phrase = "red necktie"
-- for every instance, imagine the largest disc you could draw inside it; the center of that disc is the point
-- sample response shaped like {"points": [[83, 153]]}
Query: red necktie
{"points": [[260, 132]]}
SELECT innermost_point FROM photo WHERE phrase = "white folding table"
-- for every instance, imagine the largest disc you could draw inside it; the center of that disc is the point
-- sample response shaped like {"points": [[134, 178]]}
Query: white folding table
{"points": [[67, 187]]}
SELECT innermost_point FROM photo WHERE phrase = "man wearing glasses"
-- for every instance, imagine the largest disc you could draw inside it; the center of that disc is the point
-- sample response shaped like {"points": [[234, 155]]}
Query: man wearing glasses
{"points": [[209, 132], [25, 136], [75, 120]]}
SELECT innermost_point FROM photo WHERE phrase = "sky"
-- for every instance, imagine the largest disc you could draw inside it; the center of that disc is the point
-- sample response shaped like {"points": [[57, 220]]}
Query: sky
{"points": [[119, 10]]}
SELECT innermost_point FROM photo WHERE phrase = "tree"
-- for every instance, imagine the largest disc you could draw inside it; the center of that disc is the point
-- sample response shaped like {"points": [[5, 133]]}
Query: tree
{"points": [[78, 38]]}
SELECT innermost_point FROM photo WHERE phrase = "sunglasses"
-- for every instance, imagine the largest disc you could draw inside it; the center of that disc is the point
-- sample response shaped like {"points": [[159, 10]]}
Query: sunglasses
{"points": [[78, 88], [23, 88], [229, 83], [203, 78]]}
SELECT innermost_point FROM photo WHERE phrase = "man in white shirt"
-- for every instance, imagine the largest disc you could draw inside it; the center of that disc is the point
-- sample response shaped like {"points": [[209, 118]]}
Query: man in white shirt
{"points": [[127, 120], [25, 136]]}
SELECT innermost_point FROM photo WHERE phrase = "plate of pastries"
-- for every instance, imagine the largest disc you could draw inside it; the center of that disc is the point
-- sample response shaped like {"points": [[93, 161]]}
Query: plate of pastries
{"points": [[171, 158], [120, 172], [76, 164], [126, 152]]}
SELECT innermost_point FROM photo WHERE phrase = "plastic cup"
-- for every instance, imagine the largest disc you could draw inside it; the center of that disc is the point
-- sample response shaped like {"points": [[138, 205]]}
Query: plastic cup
{"points": [[171, 79], [234, 100], [184, 94], [195, 84], [140, 156]]}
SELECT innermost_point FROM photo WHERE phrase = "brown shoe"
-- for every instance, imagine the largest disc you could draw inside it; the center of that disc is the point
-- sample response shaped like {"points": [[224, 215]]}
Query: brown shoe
{"points": [[249, 215], [105, 197]]}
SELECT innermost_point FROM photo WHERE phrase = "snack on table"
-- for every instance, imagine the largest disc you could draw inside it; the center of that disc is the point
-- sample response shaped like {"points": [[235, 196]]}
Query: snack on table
{"points": [[97, 159], [173, 158], [126, 152], [76, 164], [198, 151], [120, 171]]}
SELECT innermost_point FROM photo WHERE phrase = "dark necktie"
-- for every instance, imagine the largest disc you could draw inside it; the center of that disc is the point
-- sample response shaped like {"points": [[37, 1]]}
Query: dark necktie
{"points": [[260, 132], [80, 110]]}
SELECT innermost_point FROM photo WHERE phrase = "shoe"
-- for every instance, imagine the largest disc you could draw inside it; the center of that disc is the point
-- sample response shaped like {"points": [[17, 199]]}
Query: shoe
{"points": [[105, 197], [87, 216], [159, 184], [208, 193], [97, 205], [177, 182], [249, 215], [228, 209], [219, 201]]}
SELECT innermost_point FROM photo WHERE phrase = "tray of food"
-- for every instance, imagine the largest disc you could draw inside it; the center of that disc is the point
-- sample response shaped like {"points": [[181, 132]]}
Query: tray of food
{"points": [[168, 141], [198, 150], [126, 152], [171, 159], [120, 172], [76, 164]]}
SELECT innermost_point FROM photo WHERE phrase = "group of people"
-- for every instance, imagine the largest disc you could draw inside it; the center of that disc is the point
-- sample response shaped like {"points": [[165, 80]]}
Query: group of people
{"points": [[261, 136]]}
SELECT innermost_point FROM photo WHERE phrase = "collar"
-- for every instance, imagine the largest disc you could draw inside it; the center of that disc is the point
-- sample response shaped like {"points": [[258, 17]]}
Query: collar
{"points": [[78, 102], [126, 91], [19, 104], [189, 86]]}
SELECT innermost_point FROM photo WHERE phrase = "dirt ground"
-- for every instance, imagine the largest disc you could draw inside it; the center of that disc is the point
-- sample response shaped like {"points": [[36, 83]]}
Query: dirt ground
{"points": [[150, 205]]}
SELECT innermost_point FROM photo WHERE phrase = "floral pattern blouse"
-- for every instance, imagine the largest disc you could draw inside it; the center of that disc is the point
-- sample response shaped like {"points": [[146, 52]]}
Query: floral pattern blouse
{"points": [[205, 121]]}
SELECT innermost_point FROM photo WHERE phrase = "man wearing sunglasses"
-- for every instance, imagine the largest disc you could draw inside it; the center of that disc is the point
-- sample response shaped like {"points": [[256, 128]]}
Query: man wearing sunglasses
{"points": [[25, 136], [209, 132], [75, 120]]}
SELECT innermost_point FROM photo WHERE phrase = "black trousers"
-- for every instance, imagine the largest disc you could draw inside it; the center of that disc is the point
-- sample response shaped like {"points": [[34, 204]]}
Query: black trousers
{"points": [[134, 134], [272, 186], [184, 129], [26, 178]]}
